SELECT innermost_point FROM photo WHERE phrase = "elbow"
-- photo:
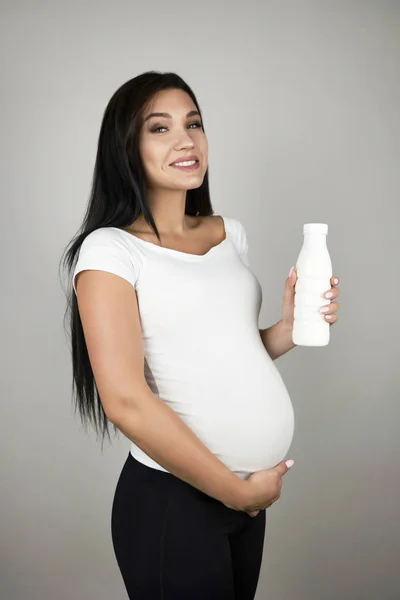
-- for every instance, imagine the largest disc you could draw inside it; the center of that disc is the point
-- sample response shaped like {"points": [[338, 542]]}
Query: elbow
{"points": [[119, 410], [121, 413]]}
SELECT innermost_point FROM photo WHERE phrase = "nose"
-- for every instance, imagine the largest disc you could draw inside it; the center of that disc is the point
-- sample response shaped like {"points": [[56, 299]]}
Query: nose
{"points": [[184, 141]]}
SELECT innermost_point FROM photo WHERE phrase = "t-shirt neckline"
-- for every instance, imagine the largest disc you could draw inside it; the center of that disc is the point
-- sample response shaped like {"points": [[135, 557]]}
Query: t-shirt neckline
{"points": [[178, 253]]}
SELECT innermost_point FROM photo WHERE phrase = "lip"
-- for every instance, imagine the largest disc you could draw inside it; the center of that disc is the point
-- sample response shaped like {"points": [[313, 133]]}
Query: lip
{"points": [[184, 158], [188, 169]]}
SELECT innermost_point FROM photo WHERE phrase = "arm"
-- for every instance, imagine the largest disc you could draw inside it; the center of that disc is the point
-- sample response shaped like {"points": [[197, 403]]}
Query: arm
{"points": [[110, 318], [277, 340], [155, 427]]}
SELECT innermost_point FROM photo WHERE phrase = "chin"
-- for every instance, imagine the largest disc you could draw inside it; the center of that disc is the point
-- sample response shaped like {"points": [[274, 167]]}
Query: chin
{"points": [[194, 186]]}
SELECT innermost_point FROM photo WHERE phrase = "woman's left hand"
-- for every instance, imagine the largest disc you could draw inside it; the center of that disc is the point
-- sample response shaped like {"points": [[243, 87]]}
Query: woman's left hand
{"points": [[288, 301]]}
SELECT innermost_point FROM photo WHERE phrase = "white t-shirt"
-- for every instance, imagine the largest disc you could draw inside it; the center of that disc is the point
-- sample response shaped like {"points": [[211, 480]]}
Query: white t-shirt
{"points": [[203, 352]]}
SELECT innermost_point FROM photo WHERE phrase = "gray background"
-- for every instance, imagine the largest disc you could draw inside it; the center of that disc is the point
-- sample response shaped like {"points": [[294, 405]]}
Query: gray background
{"points": [[301, 108]]}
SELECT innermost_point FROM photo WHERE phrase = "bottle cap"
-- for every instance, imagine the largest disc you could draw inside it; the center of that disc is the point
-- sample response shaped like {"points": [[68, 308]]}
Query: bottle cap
{"points": [[315, 228]]}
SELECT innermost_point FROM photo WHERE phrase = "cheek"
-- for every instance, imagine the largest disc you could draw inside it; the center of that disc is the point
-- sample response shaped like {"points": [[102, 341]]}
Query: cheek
{"points": [[204, 147], [152, 157]]}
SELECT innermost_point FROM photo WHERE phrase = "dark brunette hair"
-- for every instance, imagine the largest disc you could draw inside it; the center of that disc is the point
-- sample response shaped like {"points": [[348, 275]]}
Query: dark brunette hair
{"points": [[117, 198]]}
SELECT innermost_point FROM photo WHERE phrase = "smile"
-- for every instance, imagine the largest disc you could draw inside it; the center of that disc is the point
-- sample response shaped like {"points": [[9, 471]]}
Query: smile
{"points": [[189, 165]]}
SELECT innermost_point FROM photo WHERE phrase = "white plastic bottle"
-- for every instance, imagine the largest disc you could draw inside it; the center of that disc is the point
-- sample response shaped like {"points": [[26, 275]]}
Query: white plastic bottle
{"points": [[314, 272]]}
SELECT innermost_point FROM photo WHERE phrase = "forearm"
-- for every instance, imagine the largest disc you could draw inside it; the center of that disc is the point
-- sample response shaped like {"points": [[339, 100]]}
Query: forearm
{"points": [[277, 340], [159, 431]]}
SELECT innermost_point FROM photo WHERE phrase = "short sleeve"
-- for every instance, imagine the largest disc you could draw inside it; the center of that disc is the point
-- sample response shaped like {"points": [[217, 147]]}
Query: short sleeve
{"points": [[105, 250], [243, 245], [238, 232]]}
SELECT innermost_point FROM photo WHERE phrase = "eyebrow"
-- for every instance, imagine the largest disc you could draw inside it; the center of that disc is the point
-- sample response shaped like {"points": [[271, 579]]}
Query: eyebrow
{"points": [[192, 113]]}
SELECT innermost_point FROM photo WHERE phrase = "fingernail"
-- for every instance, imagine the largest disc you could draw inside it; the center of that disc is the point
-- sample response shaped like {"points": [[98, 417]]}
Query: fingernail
{"points": [[291, 271], [328, 294], [289, 463], [336, 281]]}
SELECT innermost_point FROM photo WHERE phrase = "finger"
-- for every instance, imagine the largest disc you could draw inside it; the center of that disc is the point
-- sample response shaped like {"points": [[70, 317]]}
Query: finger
{"points": [[330, 309], [331, 319], [282, 467], [335, 280], [332, 293], [275, 499], [272, 502]]}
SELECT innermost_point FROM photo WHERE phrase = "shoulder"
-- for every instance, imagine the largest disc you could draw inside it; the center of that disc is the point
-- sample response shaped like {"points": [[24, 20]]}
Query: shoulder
{"points": [[237, 231], [109, 249], [232, 227], [110, 239], [107, 236]]}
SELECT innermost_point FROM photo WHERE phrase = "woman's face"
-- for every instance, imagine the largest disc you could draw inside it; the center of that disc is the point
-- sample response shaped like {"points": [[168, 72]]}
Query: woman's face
{"points": [[167, 139]]}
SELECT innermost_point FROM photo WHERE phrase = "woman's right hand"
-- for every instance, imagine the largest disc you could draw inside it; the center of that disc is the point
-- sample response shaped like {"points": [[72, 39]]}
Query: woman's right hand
{"points": [[264, 488]]}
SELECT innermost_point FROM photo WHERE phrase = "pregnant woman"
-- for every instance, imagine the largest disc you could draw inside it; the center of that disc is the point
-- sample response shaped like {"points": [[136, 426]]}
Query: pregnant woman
{"points": [[166, 347]]}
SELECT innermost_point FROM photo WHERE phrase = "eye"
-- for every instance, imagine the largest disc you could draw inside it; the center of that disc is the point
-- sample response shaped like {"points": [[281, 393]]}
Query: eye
{"points": [[157, 127], [197, 123]]}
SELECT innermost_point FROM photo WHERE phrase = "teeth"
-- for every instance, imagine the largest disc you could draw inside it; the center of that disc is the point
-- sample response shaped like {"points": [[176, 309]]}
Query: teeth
{"points": [[187, 163]]}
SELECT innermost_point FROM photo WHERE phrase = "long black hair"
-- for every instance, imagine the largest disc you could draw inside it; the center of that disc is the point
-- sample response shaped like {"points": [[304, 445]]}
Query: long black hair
{"points": [[117, 198]]}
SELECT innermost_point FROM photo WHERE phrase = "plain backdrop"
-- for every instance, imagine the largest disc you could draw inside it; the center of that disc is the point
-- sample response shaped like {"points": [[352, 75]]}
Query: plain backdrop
{"points": [[301, 105]]}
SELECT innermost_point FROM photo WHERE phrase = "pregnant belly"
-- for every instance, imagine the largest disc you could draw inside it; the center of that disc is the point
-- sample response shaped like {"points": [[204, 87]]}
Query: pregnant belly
{"points": [[249, 430], [237, 405]]}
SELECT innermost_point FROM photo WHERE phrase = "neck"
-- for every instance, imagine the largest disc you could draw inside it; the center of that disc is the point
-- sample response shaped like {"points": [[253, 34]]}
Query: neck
{"points": [[168, 209]]}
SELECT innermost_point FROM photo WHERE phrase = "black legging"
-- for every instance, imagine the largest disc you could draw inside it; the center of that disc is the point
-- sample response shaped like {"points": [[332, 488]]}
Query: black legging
{"points": [[173, 542]]}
